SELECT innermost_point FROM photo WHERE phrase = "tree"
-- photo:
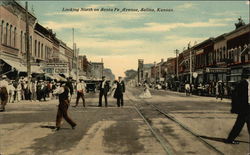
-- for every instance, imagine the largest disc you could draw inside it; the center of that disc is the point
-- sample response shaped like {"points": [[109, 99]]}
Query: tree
{"points": [[130, 74]]}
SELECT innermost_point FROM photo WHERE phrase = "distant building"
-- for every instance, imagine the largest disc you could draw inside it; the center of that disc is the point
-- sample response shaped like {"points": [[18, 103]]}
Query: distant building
{"points": [[95, 70]]}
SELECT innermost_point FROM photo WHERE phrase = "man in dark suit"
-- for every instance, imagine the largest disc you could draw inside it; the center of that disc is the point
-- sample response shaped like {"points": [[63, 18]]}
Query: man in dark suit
{"points": [[104, 88], [62, 112], [120, 89], [240, 106]]}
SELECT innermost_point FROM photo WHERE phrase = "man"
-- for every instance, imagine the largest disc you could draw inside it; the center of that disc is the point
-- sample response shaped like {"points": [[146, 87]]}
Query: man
{"points": [[3, 92], [104, 88], [240, 106], [11, 92], [70, 85], [80, 88], [64, 95], [187, 89], [120, 89]]}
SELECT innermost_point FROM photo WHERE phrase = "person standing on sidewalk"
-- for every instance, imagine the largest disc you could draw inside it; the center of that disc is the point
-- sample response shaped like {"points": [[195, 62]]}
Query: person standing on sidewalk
{"points": [[241, 106], [80, 88], [64, 95], [3, 92], [187, 89]]}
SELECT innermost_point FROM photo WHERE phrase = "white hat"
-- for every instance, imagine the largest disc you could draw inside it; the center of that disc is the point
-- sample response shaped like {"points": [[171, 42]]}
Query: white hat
{"points": [[4, 76]]}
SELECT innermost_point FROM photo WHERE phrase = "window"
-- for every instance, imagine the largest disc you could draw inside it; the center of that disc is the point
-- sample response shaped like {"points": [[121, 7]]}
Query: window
{"points": [[14, 44], [24, 45], [2, 33], [35, 48], [42, 51], [6, 33], [10, 38], [39, 49], [21, 41]]}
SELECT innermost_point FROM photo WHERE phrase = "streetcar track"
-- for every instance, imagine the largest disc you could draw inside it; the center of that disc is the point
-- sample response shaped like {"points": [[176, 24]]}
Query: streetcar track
{"points": [[159, 138], [170, 117]]}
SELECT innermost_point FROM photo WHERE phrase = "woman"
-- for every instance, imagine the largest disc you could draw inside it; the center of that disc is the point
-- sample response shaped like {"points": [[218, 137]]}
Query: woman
{"points": [[146, 93]]}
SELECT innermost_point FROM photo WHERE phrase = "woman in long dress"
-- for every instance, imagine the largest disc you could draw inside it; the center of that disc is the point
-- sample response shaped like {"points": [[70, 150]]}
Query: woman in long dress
{"points": [[146, 93]]}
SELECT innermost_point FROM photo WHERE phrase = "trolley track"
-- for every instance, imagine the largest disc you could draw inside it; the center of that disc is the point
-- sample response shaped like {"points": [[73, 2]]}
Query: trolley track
{"points": [[167, 115]]}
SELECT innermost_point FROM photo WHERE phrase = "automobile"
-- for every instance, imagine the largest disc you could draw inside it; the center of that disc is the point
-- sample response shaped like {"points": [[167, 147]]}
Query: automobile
{"points": [[90, 87]]}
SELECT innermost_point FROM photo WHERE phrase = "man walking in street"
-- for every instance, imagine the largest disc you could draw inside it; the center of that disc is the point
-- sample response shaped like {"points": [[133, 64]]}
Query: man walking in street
{"points": [[3, 92], [64, 95], [240, 106], [120, 89], [80, 88], [104, 88]]}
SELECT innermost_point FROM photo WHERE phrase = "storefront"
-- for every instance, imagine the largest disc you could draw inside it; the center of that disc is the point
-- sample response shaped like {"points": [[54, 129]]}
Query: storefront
{"points": [[216, 74], [238, 72]]}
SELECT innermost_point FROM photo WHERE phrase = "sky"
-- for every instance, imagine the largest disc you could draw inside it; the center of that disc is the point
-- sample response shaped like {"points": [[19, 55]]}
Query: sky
{"points": [[120, 37]]}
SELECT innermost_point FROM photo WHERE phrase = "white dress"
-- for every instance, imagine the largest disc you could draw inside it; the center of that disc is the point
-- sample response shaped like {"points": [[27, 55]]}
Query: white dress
{"points": [[146, 93]]}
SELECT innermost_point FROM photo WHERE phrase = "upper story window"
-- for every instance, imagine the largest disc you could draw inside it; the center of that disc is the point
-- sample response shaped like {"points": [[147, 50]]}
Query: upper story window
{"points": [[2, 33]]}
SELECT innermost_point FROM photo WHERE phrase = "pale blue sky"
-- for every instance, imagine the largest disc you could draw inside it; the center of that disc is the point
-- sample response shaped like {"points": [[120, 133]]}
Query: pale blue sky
{"points": [[122, 38]]}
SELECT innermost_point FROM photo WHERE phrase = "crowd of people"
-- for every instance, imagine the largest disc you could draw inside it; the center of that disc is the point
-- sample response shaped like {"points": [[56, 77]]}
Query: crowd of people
{"points": [[217, 89]]}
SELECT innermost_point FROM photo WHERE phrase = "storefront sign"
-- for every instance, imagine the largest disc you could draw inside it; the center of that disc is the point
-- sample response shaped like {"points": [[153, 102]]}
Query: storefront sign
{"points": [[216, 70], [56, 68]]}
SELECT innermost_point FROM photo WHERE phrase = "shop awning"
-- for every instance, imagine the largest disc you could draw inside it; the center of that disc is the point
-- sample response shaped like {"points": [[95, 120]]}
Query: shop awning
{"points": [[36, 69], [17, 65], [58, 77]]}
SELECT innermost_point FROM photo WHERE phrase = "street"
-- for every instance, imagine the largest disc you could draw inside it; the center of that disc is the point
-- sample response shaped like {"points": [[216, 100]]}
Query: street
{"points": [[27, 127]]}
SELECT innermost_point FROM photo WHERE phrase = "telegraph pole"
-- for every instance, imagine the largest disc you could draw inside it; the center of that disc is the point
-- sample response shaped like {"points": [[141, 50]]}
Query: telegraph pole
{"points": [[27, 45], [102, 66], [73, 57], [77, 54], [191, 63], [177, 62]]}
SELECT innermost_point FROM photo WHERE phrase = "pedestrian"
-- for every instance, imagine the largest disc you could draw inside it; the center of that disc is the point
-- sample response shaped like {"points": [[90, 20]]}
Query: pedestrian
{"points": [[64, 95], [11, 92], [43, 91], [120, 89], [241, 107], [146, 93], [187, 89], [19, 91], [80, 88], [38, 90], [33, 90], [3, 92], [69, 84], [104, 88]]}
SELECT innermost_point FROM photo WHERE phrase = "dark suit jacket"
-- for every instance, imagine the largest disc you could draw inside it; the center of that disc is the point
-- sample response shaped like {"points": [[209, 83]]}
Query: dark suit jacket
{"points": [[240, 99], [106, 87], [120, 89]]}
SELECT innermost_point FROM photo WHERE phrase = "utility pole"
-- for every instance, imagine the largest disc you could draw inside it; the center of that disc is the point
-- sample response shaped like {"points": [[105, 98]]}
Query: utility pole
{"points": [[77, 54], [27, 45], [177, 62], [102, 66], [73, 57], [155, 72], [190, 64]]}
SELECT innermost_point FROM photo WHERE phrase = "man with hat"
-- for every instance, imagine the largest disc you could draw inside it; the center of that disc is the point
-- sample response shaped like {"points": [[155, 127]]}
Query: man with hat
{"points": [[240, 106], [104, 88], [64, 95], [120, 89], [80, 88], [3, 92]]}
